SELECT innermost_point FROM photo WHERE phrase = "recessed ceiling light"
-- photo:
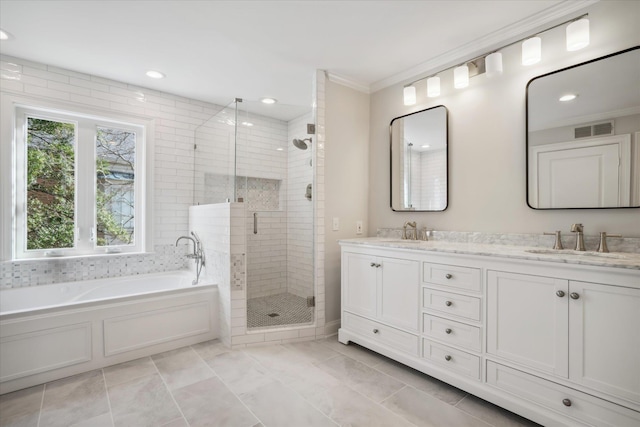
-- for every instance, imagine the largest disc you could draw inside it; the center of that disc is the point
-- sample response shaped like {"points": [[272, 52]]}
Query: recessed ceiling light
{"points": [[568, 97], [268, 100], [4, 35], [155, 74], [426, 146]]}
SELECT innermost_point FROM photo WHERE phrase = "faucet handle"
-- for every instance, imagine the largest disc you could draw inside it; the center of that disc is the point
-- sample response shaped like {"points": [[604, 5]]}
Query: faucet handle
{"points": [[558, 243], [602, 246]]}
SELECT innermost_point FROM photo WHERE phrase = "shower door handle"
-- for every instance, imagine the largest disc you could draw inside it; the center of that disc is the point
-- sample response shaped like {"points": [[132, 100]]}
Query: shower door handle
{"points": [[255, 223]]}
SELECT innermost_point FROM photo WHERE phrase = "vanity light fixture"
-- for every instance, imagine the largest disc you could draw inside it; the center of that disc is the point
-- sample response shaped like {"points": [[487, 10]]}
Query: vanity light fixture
{"points": [[568, 97], [461, 76], [268, 101], [493, 64], [247, 124], [578, 34], [425, 146], [155, 74], [433, 86], [409, 94], [531, 51], [490, 63]]}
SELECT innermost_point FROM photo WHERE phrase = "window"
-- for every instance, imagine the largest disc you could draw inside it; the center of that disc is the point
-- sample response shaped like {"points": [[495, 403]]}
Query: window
{"points": [[79, 184]]}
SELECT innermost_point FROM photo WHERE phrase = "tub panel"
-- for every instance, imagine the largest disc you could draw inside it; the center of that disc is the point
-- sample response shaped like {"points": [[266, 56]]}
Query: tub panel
{"points": [[30, 353], [131, 332]]}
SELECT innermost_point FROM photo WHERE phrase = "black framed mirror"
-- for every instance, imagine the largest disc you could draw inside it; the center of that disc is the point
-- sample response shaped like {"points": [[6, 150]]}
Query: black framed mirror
{"points": [[419, 161], [583, 135]]}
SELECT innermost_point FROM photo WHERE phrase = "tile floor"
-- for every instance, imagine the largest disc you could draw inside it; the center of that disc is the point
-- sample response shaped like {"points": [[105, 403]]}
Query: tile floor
{"points": [[314, 383], [276, 310]]}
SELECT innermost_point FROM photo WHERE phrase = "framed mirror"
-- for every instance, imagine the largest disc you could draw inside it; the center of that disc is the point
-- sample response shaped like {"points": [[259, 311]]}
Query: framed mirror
{"points": [[419, 161], [583, 135]]}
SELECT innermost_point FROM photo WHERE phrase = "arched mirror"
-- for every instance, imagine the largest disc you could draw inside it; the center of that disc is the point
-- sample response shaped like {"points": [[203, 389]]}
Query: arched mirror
{"points": [[419, 165], [583, 135]]}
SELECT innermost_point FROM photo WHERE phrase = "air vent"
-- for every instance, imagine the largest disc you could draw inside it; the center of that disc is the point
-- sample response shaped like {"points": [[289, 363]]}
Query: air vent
{"points": [[597, 129]]}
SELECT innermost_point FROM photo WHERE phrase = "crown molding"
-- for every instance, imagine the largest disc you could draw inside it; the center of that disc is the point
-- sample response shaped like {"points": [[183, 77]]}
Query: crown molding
{"points": [[344, 81], [552, 15]]}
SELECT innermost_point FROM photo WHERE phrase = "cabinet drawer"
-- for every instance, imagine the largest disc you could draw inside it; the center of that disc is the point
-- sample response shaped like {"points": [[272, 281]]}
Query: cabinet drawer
{"points": [[583, 407], [381, 333], [462, 306], [465, 278], [452, 332], [450, 358]]}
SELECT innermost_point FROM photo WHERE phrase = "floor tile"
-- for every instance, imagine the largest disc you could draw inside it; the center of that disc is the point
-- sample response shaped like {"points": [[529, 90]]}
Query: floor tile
{"points": [[277, 405], [313, 351], [74, 399], [354, 351], [285, 364], [492, 414], [142, 402], [127, 371], [21, 408], [426, 411], [211, 403], [181, 367], [239, 372], [423, 382], [362, 378], [180, 422], [210, 349]]}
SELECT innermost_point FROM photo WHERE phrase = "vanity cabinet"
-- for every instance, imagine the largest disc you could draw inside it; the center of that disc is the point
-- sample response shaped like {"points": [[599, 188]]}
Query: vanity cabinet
{"points": [[554, 342]]}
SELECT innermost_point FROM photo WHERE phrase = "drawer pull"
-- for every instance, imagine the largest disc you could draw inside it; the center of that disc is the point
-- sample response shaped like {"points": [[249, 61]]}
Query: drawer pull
{"points": [[448, 303], [560, 293], [375, 331], [373, 264], [447, 358], [448, 330], [574, 295], [566, 402], [448, 276]]}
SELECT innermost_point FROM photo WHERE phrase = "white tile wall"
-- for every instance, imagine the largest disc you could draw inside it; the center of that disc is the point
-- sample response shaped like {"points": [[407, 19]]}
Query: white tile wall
{"points": [[432, 184]]}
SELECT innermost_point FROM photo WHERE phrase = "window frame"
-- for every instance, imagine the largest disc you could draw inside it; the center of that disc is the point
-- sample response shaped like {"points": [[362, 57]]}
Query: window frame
{"points": [[13, 190]]}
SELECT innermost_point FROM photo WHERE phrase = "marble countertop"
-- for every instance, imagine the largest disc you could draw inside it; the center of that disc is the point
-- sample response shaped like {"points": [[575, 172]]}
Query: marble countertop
{"points": [[612, 259]]}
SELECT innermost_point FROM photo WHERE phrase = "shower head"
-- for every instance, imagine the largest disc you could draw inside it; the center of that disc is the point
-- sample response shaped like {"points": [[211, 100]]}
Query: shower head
{"points": [[301, 143]]}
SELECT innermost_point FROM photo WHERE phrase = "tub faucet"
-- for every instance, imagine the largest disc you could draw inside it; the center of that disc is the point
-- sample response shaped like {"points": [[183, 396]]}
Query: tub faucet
{"points": [[197, 255], [578, 229]]}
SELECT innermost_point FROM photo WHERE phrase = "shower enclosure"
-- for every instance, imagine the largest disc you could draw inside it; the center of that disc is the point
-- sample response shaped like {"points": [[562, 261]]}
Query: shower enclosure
{"points": [[244, 155]]}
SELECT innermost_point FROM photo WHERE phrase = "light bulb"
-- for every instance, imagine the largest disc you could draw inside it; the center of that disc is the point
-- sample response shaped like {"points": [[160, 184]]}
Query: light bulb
{"points": [[433, 87], [493, 64], [531, 51], [409, 93], [578, 34], [461, 77]]}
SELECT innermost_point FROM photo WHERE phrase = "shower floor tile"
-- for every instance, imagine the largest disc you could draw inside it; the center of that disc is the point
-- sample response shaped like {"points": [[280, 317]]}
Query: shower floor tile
{"points": [[276, 310]]}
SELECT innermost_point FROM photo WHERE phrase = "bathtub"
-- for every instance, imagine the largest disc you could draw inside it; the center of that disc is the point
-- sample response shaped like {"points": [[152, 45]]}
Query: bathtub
{"points": [[49, 332]]}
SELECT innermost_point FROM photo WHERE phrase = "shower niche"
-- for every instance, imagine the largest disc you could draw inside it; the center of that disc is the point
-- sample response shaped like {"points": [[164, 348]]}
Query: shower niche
{"points": [[242, 156]]}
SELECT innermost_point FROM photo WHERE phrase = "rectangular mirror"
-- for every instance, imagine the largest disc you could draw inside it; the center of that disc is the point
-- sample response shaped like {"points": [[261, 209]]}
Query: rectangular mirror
{"points": [[419, 164], [583, 132]]}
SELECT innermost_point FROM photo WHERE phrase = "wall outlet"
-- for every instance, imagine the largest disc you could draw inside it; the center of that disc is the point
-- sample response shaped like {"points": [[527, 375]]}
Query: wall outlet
{"points": [[336, 223], [358, 227]]}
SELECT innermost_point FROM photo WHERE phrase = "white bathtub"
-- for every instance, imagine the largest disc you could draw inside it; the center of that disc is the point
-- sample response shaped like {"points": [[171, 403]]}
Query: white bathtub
{"points": [[53, 331]]}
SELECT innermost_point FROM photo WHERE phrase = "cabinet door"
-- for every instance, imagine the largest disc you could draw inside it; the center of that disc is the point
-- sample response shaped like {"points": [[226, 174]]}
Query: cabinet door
{"points": [[399, 293], [359, 278], [527, 320], [604, 338]]}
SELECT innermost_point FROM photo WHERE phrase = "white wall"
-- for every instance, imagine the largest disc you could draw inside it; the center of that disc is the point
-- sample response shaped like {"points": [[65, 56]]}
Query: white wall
{"points": [[487, 186], [347, 179]]}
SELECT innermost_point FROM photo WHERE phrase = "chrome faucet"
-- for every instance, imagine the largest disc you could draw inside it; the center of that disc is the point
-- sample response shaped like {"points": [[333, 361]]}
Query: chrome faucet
{"points": [[197, 255], [414, 232], [578, 228]]}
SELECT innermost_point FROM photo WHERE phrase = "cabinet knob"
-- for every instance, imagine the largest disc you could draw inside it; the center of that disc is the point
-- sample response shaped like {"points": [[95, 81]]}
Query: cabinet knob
{"points": [[574, 295], [448, 276], [448, 330], [448, 303], [566, 402], [375, 331], [560, 293], [373, 264], [447, 358]]}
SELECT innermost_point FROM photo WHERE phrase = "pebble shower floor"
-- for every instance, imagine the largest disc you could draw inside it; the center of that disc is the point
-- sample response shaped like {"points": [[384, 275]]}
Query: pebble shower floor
{"points": [[277, 310]]}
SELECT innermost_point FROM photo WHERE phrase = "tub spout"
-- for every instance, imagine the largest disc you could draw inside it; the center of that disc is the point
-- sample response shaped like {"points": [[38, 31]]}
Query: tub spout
{"points": [[197, 255]]}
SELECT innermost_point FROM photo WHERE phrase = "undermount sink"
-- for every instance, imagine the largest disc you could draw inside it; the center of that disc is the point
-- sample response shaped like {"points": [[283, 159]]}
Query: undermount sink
{"points": [[400, 241], [568, 252]]}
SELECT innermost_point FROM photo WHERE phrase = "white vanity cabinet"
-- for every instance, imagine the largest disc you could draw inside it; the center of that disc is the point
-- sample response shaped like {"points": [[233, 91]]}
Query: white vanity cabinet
{"points": [[557, 343], [381, 299]]}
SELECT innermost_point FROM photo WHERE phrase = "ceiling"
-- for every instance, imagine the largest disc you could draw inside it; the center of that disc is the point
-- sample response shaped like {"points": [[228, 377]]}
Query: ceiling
{"points": [[216, 51]]}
